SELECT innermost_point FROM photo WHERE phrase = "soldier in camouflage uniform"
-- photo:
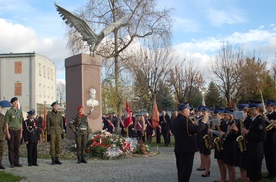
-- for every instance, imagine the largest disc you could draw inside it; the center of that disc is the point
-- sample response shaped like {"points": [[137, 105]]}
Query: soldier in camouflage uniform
{"points": [[2, 136], [55, 130], [80, 127]]}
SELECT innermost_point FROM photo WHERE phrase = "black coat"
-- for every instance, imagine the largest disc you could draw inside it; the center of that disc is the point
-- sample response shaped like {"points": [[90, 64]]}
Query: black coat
{"points": [[31, 131], [185, 139], [256, 137], [271, 134], [165, 122]]}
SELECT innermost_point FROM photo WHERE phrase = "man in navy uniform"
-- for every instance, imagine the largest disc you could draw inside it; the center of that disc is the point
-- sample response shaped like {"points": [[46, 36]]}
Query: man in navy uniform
{"points": [[185, 141], [31, 137]]}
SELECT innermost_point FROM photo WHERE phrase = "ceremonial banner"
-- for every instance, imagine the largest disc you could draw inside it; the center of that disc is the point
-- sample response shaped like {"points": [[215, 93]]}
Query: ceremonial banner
{"points": [[155, 115], [128, 116]]}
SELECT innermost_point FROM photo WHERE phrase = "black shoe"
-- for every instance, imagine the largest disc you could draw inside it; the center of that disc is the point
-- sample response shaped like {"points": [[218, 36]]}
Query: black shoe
{"points": [[12, 165], [2, 167], [18, 165], [30, 165], [200, 169], [53, 161], [35, 164], [57, 161], [206, 175]]}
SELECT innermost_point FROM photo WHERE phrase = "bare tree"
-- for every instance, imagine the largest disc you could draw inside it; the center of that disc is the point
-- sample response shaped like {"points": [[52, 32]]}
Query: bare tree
{"points": [[149, 67], [225, 69], [144, 20], [61, 92], [186, 81]]}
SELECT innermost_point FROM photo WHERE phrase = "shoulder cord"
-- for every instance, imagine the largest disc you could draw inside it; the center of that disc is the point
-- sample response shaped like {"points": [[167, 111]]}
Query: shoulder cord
{"points": [[28, 127], [187, 127]]}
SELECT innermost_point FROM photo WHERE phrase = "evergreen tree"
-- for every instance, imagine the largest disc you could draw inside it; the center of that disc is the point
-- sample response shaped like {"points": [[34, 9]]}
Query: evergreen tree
{"points": [[164, 98], [213, 97]]}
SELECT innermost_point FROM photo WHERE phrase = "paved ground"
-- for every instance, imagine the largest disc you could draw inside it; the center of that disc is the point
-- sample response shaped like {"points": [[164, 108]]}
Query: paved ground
{"points": [[159, 168]]}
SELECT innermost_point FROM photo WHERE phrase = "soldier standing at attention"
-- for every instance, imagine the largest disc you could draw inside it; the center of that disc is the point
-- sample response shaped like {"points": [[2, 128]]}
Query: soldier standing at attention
{"points": [[80, 127], [55, 129], [31, 137], [14, 119], [2, 136]]}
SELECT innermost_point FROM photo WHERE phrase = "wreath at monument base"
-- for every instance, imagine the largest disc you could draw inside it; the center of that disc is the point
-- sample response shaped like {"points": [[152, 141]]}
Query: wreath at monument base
{"points": [[104, 145]]}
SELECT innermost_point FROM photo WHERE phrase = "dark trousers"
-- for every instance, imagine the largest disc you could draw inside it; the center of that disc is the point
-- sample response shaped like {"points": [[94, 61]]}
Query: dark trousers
{"points": [[184, 164], [139, 136], [270, 157], [13, 146], [158, 136], [32, 153], [149, 137], [166, 137]]}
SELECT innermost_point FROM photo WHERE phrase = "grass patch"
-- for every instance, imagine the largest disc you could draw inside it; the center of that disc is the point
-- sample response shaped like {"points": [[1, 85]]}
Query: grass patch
{"points": [[154, 145], [8, 177]]}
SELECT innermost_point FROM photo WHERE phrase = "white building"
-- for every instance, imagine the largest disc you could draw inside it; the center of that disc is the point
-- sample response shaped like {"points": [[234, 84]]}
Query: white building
{"points": [[30, 77]]}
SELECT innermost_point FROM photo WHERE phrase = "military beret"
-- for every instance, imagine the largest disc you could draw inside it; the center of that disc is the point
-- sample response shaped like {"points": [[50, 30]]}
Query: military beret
{"points": [[243, 106], [54, 103], [205, 109], [228, 111], [14, 99], [218, 111], [270, 102], [80, 107], [183, 106], [31, 112]]}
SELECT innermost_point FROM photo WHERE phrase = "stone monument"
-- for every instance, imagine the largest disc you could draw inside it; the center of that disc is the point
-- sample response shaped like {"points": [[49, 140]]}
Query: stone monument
{"points": [[83, 72]]}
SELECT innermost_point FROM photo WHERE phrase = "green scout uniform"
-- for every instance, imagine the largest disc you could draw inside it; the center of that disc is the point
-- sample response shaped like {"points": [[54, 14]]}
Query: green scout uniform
{"points": [[80, 127], [14, 119], [2, 136], [55, 129]]}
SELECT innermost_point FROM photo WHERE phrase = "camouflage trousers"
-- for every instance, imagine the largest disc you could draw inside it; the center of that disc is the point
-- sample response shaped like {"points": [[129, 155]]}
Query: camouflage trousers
{"points": [[81, 141], [55, 145], [1, 149]]}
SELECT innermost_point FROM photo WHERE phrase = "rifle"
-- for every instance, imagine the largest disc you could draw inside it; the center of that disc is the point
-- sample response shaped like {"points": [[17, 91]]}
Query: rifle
{"points": [[82, 121]]}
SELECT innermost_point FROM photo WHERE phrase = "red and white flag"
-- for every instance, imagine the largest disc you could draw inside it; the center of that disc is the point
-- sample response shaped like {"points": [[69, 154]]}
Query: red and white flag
{"points": [[128, 116]]}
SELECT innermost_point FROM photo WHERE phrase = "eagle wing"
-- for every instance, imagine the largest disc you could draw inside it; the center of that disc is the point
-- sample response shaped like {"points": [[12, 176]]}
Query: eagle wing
{"points": [[111, 27], [79, 24]]}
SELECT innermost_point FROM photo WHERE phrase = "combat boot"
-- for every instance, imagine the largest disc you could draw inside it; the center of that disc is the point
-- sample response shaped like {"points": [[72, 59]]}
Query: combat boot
{"points": [[79, 159], [83, 159], [53, 161], [1, 166], [57, 161]]}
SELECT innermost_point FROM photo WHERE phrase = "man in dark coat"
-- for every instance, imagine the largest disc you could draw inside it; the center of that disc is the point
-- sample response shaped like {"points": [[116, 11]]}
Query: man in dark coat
{"points": [[31, 137], [185, 141], [165, 121]]}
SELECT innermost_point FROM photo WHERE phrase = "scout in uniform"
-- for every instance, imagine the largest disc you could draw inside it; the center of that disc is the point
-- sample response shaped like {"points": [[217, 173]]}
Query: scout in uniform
{"points": [[14, 119], [55, 130], [80, 127], [31, 137], [2, 136]]}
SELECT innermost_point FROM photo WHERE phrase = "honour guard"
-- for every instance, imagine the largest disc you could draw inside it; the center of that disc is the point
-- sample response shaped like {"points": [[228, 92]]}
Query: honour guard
{"points": [[14, 119], [55, 130], [31, 135], [80, 127]]}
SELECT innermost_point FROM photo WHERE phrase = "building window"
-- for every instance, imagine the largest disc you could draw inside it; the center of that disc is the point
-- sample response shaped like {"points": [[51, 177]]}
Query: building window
{"points": [[44, 91], [18, 89], [39, 89], [18, 67], [44, 72], [52, 74], [52, 93], [39, 69], [48, 73]]}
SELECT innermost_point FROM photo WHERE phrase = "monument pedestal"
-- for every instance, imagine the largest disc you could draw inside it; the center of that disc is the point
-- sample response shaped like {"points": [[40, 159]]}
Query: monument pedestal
{"points": [[83, 72]]}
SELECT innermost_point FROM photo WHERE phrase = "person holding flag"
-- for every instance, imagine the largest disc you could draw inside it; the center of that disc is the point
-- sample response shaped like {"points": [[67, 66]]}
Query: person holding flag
{"points": [[149, 128], [139, 127], [128, 121]]}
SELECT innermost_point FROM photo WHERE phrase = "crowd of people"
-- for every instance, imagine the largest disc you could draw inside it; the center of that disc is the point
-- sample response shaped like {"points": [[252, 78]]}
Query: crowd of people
{"points": [[239, 138]]}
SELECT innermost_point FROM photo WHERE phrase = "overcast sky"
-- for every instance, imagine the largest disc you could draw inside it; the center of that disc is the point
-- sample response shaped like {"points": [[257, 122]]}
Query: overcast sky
{"points": [[199, 27]]}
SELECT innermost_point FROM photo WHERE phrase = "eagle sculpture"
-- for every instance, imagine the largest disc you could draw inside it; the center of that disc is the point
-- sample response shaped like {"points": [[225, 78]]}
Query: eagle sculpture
{"points": [[93, 39]]}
